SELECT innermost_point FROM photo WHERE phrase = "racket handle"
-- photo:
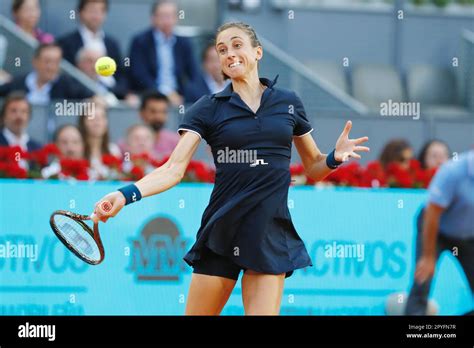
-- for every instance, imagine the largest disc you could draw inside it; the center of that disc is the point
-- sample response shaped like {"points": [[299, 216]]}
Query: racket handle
{"points": [[105, 207]]}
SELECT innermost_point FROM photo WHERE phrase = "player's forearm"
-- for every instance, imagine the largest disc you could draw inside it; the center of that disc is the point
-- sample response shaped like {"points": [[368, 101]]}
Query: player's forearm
{"points": [[318, 170], [161, 179], [430, 230]]}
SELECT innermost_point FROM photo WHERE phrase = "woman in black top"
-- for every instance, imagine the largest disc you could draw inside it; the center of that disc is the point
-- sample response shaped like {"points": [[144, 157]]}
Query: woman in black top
{"points": [[250, 127]]}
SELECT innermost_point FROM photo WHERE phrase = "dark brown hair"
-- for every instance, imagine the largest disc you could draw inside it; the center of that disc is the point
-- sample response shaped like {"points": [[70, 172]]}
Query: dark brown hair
{"points": [[83, 3], [16, 5], [393, 151], [41, 47], [104, 146], [58, 131], [158, 3], [426, 147], [152, 95], [13, 97], [247, 29]]}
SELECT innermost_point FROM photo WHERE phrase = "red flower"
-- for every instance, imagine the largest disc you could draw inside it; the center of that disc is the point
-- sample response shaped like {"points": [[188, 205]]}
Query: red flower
{"points": [[51, 149], [12, 154], [39, 156], [12, 170], [429, 174], [296, 169], [82, 176], [414, 165], [159, 163], [137, 173], [112, 161], [373, 175], [77, 168], [199, 171], [399, 176], [347, 175]]}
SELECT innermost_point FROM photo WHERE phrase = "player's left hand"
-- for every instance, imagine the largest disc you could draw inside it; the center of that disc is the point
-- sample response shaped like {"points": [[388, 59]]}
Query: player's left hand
{"points": [[346, 148]]}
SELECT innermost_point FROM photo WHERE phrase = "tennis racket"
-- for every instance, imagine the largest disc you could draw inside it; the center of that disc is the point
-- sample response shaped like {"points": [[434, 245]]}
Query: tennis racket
{"points": [[79, 237]]}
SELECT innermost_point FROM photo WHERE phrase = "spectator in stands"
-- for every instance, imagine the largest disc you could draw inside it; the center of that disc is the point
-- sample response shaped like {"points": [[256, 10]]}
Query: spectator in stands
{"points": [[94, 129], [398, 151], [433, 154], [26, 14], [210, 80], [140, 139], [90, 34], [70, 144], [447, 224], [69, 141], [161, 60], [92, 15], [154, 113], [45, 82], [14, 118]]}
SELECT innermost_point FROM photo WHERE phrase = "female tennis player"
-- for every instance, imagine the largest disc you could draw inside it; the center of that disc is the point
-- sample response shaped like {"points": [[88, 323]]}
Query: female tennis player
{"points": [[247, 225]]}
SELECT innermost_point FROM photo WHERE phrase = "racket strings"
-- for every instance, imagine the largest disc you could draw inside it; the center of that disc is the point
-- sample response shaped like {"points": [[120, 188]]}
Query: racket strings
{"points": [[76, 235]]}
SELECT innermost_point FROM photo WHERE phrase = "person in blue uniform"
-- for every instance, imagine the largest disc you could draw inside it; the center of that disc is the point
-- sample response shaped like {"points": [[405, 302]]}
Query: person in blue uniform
{"points": [[250, 126]]}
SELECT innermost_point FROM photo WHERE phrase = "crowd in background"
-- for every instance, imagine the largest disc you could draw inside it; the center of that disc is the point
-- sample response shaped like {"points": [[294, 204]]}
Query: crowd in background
{"points": [[162, 60], [158, 78]]}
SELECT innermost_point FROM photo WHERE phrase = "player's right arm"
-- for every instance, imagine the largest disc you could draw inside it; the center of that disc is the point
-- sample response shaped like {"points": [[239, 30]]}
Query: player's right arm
{"points": [[171, 173], [161, 179]]}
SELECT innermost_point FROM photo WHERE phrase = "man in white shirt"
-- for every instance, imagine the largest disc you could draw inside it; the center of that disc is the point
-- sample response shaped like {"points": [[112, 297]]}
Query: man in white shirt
{"points": [[90, 35], [46, 83], [161, 60]]}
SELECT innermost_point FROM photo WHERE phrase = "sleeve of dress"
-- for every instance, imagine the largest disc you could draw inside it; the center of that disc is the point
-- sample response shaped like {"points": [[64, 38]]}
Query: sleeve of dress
{"points": [[196, 118], [302, 125]]}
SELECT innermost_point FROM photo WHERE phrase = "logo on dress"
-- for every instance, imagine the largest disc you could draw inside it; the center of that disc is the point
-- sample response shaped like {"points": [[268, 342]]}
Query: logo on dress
{"points": [[258, 162], [227, 155]]}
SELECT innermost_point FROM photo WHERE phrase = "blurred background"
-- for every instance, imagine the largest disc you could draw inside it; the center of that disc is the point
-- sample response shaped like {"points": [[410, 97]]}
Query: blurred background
{"points": [[344, 58], [401, 70]]}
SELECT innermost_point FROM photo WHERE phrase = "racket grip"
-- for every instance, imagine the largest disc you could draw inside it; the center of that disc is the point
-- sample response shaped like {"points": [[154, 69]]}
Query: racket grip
{"points": [[105, 207]]}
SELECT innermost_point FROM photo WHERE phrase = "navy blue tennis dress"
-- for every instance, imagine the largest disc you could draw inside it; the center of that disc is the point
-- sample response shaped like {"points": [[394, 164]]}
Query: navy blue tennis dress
{"points": [[247, 219]]}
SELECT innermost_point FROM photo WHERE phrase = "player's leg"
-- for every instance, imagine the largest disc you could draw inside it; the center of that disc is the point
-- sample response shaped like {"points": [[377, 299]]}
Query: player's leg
{"points": [[261, 293], [213, 280], [208, 294]]}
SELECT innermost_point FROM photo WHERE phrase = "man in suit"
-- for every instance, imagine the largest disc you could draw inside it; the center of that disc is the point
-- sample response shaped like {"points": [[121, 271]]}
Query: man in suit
{"points": [[92, 15], [45, 83], [161, 60], [14, 119], [210, 80]]}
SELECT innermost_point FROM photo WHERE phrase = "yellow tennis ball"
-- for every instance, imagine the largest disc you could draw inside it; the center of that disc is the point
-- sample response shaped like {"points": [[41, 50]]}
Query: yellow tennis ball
{"points": [[105, 66]]}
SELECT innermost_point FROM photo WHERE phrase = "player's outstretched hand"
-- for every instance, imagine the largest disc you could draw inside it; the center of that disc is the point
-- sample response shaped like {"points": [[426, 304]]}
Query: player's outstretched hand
{"points": [[116, 203], [347, 148]]}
